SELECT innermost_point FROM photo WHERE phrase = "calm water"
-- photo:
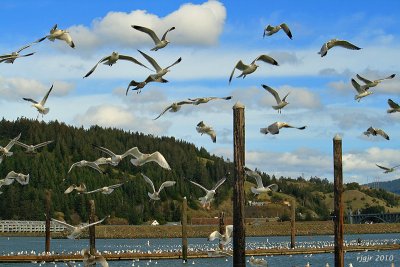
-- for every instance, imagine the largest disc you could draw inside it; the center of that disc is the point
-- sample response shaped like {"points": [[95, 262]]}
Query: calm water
{"points": [[364, 259]]}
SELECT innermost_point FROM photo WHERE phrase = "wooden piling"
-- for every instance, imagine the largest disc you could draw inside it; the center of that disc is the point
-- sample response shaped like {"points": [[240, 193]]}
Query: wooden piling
{"points": [[293, 224], [92, 229], [184, 231], [47, 224], [221, 227], [338, 200], [239, 256]]}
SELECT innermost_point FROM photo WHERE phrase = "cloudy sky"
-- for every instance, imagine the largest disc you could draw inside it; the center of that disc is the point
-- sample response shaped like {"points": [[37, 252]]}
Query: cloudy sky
{"points": [[211, 37]]}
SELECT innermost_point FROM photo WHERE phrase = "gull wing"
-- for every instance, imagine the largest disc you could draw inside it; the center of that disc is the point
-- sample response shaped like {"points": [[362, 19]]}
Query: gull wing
{"points": [[284, 98], [199, 185], [94, 166], [43, 144], [273, 92], [95, 66], [102, 161], [72, 166], [165, 34], [273, 187], [105, 150], [132, 151], [150, 32], [11, 175], [151, 61], [70, 227], [267, 59], [132, 59], [21, 144], [286, 29], [93, 191], [393, 104], [290, 126], [94, 223], [363, 79], [46, 96], [115, 186], [219, 183], [176, 62], [12, 142], [162, 113], [100, 259], [147, 179], [255, 175], [344, 44], [240, 66], [357, 86], [166, 184], [184, 102], [30, 100], [273, 128], [382, 167], [159, 158], [388, 77], [67, 38], [229, 230], [70, 189], [382, 133]]}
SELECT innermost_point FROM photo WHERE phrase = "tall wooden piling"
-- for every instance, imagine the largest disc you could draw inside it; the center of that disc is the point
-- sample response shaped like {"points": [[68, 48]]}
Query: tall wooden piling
{"points": [[293, 224], [338, 200], [47, 200], [184, 231], [221, 227], [239, 254], [92, 229]]}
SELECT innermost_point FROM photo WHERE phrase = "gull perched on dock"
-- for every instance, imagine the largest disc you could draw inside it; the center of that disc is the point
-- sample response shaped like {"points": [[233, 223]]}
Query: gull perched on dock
{"points": [[63, 35], [10, 58], [203, 100], [375, 132], [32, 148], [387, 169], [223, 238], [205, 129], [209, 197], [274, 128], [257, 262], [89, 259], [270, 30], [40, 105], [105, 189], [260, 186], [174, 107], [142, 158], [280, 103], [248, 69], [160, 71], [374, 83], [394, 107], [112, 59], [80, 189], [116, 159], [159, 43], [362, 90], [156, 194], [140, 85], [84, 163], [5, 151], [76, 231], [335, 42]]}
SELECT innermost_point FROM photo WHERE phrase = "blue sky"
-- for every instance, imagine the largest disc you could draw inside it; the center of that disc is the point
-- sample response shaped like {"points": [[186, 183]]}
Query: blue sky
{"points": [[211, 36]]}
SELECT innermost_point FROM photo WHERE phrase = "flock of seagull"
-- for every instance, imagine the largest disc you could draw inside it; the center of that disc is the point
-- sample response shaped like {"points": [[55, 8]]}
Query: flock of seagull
{"points": [[138, 158]]}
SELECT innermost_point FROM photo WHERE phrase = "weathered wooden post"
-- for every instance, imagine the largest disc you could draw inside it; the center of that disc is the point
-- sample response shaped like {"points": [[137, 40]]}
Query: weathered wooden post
{"points": [[221, 227], [184, 231], [47, 224], [338, 201], [92, 229], [239, 235], [293, 224]]}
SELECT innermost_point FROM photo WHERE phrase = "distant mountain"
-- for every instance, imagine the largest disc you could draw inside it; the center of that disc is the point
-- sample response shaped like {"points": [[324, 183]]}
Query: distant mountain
{"points": [[391, 186]]}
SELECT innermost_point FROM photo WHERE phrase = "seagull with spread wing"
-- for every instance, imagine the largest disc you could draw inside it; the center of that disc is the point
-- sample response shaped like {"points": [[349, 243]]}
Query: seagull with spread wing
{"points": [[89, 259], [32, 148], [21, 178], [116, 159], [280, 104], [270, 30], [205, 129], [388, 169], [362, 90], [375, 132], [274, 128], [248, 69], [142, 158], [79, 188], [62, 35], [10, 58], [394, 107], [374, 83], [5, 151], [223, 238], [106, 190], [335, 42], [174, 107], [85, 163], [156, 194], [209, 197], [112, 59], [159, 43], [203, 100], [260, 186], [160, 71], [76, 231], [140, 85], [40, 105]]}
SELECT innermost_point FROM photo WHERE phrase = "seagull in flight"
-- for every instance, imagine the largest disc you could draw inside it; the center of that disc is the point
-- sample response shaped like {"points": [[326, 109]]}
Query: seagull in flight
{"points": [[335, 42], [40, 105], [260, 186], [10, 58], [141, 158], [5, 151], [270, 30], [274, 128], [248, 69], [209, 197], [204, 129], [105, 189], [84, 163], [375, 132], [174, 107], [139, 85], [112, 59], [156, 194], [159, 43], [160, 71], [387, 169], [116, 159], [80, 189], [203, 100], [374, 83], [32, 148], [362, 90], [63, 35], [89, 259], [76, 231], [21, 178], [394, 107], [280, 103], [223, 238]]}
